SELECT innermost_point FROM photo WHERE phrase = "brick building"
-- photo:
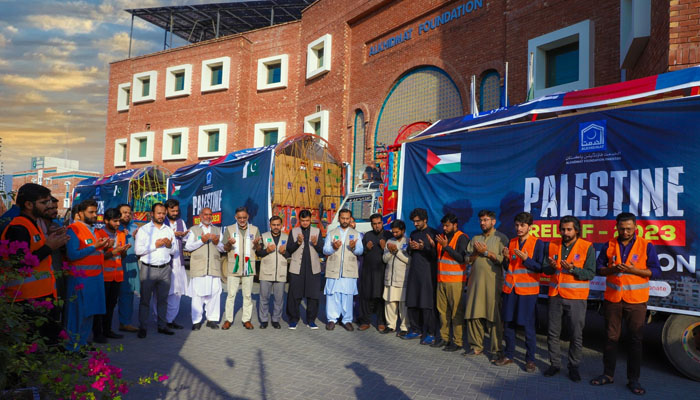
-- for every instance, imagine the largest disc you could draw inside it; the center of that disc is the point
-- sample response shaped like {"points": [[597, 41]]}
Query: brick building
{"points": [[58, 174], [355, 72]]}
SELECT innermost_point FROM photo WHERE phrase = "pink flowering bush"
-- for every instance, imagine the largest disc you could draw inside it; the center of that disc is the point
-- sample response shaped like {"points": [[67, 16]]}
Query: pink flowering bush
{"points": [[28, 359]]}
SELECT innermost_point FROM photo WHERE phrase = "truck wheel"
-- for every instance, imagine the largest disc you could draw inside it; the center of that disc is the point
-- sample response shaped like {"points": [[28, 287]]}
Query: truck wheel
{"points": [[681, 341]]}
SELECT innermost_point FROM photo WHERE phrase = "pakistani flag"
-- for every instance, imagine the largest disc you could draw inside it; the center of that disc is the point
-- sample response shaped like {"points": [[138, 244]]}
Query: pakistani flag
{"points": [[443, 163], [250, 168]]}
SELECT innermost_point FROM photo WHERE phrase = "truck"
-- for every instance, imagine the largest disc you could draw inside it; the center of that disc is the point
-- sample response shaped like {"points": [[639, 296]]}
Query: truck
{"points": [[592, 153]]}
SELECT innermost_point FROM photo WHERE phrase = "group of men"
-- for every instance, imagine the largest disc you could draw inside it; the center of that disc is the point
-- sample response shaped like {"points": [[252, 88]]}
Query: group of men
{"points": [[426, 286]]}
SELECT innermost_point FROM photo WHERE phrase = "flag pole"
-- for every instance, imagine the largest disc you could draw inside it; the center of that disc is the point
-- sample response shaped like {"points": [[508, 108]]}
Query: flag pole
{"points": [[505, 99]]}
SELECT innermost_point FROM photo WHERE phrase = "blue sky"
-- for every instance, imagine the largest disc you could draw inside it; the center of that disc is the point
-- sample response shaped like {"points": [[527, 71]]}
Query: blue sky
{"points": [[54, 68]]}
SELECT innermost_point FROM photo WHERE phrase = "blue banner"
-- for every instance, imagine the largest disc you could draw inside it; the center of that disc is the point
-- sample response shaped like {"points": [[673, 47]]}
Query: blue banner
{"points": [[642, 159], [224, 186]]}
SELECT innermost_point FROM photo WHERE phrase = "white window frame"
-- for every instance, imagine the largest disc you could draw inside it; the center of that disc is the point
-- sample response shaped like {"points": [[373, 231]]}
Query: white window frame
{"points": [[137, 87], [635, 30], [583, 31], [134, 147], [203, 140], [321, 116], [123, 99], [324, 42], [260, 129], [170, 81], [283, 60], [168, 143], [207, 65], [120, 149]]}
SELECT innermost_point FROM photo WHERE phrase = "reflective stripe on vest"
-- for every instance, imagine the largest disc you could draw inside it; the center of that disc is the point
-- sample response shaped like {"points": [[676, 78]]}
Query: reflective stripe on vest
{"points": [[629, 288], [112, 269], [449, 270], [522, 279], [564, 283], [91, 264], [42, 281]]}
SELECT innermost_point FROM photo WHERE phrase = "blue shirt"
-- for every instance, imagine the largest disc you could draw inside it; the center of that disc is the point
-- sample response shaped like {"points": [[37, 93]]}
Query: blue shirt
{"points": [[652, 258]]}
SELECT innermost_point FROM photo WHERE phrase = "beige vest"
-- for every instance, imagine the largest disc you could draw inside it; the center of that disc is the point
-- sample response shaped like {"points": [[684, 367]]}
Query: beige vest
{"points": [[342, 256], [206, 260], [396, 271], [295, 265], [273, 267], [230, 258]]}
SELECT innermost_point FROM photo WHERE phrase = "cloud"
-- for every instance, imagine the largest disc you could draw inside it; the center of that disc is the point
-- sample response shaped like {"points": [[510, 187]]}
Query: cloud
{"points": [[62, 79], [68, 24], [117, 47], [3, 41], [55, 48], [4, 63], [30, 98], [11, 29]]}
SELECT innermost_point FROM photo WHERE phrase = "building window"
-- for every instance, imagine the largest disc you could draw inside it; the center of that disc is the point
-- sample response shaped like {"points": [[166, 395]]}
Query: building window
{"points": [[635, 30], [141, 145], [215, 74], [178, 81], [490, 91], [144, 87], [358, 153], [272, 72], [123, 94], [269, 133], [212, 140], [563, 59], [317, 124], [120, 153], [175, 144], [318, 57]]}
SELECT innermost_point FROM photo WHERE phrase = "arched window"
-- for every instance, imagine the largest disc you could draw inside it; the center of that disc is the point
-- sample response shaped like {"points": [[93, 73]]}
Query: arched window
{"points": [[490, 91], [358, 152]]}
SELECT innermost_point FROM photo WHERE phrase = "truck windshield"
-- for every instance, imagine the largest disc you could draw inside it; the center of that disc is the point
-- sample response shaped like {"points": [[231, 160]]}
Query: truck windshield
{"points": [[361, 207]]}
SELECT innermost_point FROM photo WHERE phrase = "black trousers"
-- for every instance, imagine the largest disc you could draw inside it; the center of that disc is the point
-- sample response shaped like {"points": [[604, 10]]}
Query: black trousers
{"points": [[633, 316], [102, 324], [369, 307], [422, 320], [293, 309]]}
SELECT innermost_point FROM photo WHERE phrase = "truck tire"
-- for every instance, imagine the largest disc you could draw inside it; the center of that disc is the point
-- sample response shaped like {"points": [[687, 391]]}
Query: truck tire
{"points": [[681, 341]]}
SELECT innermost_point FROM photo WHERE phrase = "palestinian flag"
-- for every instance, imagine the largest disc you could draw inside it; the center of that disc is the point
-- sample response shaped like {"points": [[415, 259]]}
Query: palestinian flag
{"points": [[443, 163]]}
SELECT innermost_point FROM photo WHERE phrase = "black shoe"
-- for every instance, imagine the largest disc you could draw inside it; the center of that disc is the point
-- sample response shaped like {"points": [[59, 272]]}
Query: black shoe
{"points": [[212, 325], [551, 371], [386, 330], [100, 339], [574, 375], [165, 331], [451, 347], [276, 325], [142, 333], [113, 335], [438, 342], [401, 334], [173, 325], [263, 325], [197, 326]]}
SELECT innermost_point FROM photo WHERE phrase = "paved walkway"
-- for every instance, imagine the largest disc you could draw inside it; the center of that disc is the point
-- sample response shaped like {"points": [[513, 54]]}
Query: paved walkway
{"points": [[305, 364]]}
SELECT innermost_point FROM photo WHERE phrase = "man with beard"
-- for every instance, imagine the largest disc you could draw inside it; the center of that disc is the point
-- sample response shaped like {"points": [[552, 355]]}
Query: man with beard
{"points": [[130, 264], [396, 258], [422, 279], [273, 272], [571, 265], [521, 289], [240, 240], [372, 274], [451, 277], [343, 246], [154, 244], [304, 271], [86, 290], [113, 274], [178, 280], [34, 202], [206, 243], [485, 283]]}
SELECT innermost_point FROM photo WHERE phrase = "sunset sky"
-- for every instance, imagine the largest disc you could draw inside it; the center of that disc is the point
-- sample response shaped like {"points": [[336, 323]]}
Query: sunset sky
{"points": [[54, 68]]}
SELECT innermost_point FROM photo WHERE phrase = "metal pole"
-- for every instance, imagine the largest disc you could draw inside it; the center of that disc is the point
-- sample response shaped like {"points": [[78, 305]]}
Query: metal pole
{"points": [[131, 33], [171, 31], [505, 100], [165, 39], [218, 22], [272, 16]]}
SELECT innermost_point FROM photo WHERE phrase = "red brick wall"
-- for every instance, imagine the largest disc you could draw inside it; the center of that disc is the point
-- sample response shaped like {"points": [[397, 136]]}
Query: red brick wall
{"points": [[684, 34]]}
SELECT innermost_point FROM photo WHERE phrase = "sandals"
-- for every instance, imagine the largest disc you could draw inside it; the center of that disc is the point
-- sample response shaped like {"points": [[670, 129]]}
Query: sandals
{"points": [[636, 388], [602, 380]]}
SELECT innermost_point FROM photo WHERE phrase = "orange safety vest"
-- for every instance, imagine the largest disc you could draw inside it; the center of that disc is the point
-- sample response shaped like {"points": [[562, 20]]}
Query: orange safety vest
{"points": [[113, 271], [42, 281], [449, 270], [91, 264], [563, 283], [629, 288], [522, 279]]}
